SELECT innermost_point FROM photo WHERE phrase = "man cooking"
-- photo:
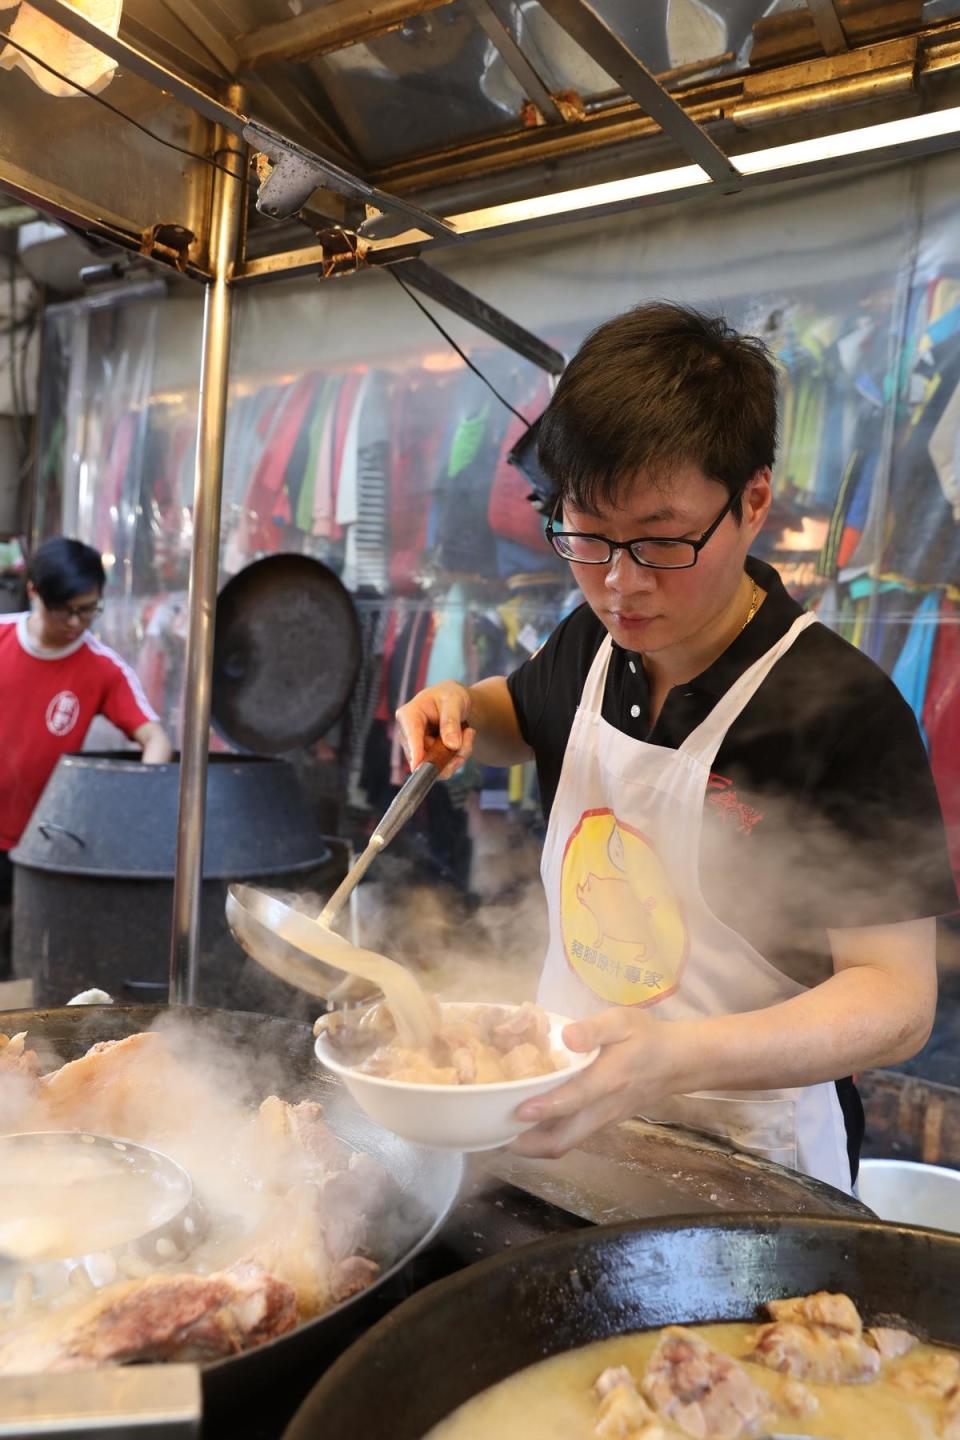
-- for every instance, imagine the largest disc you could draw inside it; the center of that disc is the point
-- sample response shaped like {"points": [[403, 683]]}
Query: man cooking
{"points": [[744, 839], [55, 676]]}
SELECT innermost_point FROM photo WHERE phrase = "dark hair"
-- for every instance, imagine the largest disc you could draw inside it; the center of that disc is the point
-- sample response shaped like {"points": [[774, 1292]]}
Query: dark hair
{"points": [[660, 386], [59, 569]]}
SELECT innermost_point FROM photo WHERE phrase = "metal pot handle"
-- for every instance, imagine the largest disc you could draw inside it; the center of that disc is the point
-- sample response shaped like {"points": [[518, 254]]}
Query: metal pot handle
{"points": [[45, 827]]}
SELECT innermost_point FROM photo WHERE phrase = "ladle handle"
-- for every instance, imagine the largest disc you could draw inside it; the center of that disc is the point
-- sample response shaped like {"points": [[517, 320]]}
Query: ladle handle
{"points": [[414, 790]]}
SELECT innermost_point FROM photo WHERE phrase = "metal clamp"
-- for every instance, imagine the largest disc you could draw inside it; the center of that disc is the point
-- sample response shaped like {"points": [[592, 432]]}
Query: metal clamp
{"points": [[295, 173]]}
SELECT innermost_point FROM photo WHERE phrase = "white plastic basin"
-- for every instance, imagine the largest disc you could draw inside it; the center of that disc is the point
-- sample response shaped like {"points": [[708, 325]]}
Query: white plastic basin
{"points": [[911, 1193]]}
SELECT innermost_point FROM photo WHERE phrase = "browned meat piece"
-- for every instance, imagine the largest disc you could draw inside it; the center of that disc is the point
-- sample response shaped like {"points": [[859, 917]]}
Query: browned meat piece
{"points": [[133, 1087], [702, 1392], [348, 1277], [814, 1352], [528, 1025], [933, 1376], [890, 1342], [349, 1200], [797, 1399], [312, 1236], [166, 1317], [624, 1414], [833, 1312], [289, 1141], [15, 1057], [358, 1030]]}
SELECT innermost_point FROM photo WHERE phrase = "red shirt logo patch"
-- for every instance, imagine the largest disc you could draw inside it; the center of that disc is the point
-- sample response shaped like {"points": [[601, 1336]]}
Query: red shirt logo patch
{"points": [[63, 712]]}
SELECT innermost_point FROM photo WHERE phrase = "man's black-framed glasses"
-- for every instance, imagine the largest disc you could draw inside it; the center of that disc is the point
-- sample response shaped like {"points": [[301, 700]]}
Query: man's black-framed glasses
{"points": [[654, 551]]}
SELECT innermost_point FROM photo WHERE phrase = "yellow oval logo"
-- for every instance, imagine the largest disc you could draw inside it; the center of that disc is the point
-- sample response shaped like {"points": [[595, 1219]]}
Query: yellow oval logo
{"points": [[623, 930]]}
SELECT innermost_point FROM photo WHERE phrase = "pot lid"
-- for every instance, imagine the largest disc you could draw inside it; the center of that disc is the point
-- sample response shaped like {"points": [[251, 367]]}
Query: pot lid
{"points": [[286, 654]]}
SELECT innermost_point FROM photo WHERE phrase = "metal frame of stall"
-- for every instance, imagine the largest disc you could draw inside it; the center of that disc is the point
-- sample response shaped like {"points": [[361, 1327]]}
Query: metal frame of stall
{"points": [[650, 145]]}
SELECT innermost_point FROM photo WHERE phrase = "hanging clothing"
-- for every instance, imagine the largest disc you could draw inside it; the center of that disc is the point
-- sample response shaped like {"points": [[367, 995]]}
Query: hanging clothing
{"points": [[629, 923], [912, 668], [941, 721]]}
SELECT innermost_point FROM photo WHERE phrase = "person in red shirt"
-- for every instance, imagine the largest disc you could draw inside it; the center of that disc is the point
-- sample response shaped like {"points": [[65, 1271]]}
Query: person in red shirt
{"points": [[55, 677]]}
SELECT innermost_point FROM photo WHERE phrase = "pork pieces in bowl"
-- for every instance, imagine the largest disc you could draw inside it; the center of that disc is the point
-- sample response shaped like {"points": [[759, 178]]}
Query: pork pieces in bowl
{"points": [[464, 1091]]}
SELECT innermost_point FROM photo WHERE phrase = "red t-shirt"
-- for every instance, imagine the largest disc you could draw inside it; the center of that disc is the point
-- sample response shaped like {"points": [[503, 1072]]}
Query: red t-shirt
{"points": [[47, 703]]}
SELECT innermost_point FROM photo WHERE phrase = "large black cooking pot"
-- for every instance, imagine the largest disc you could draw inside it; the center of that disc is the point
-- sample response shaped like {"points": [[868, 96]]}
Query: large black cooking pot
{"points": [[93, 883], [427, 1181], [466, 1333]]}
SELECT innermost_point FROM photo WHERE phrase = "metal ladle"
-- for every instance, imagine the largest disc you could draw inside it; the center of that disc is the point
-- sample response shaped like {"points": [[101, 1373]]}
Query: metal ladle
{"points": [[310, 955]]}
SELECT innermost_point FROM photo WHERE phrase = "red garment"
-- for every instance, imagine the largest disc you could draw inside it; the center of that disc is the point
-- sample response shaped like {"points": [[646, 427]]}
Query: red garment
{"points": [[416, 431], [267, 497], [46, 708], [849, 540], [941, 720]]}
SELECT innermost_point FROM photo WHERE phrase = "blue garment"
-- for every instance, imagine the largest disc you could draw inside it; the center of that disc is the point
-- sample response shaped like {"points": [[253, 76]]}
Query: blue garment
{"points": [[912, 670], [860, 499]]}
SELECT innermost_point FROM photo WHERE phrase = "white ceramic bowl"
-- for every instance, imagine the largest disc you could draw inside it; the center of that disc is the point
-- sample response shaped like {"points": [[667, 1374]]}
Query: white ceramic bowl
{"points": [[453, 1117]]}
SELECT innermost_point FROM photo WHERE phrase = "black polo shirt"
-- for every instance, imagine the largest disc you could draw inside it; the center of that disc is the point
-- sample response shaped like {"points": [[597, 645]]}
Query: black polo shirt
{"points": [[821, 812]]}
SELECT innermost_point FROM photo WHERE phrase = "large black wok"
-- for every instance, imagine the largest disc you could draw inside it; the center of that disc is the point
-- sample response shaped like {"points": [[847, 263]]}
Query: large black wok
{"points": [[462, 1335], [427, 1180]]}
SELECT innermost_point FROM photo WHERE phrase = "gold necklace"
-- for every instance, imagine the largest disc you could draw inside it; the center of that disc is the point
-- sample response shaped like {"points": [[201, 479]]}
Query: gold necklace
{"points": [[754, 605]]}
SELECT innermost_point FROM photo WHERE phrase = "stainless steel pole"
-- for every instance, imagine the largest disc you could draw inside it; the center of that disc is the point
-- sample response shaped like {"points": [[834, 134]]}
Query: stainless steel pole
{"points": [[227, 212]]}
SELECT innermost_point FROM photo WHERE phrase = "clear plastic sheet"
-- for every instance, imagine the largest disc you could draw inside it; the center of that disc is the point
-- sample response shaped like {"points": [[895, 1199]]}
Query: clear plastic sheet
{"points": [[357, 436]]}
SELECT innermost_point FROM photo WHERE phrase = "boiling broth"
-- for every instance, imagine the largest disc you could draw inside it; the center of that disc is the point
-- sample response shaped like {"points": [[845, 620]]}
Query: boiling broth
{"points": [[554, 1399]]}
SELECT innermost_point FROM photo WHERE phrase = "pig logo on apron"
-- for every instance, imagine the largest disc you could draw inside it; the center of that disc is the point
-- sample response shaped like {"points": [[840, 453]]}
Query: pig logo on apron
{"points": [[622, 928]]}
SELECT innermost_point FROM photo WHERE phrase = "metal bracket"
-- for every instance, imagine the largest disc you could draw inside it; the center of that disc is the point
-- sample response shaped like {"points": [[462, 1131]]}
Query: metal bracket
{"points": [[295, 173], [168, 242], [345, 253], [461, 301]]}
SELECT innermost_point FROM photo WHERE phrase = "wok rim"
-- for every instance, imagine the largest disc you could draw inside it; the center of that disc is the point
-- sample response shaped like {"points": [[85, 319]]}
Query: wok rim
{"points": [[361, 1355]]}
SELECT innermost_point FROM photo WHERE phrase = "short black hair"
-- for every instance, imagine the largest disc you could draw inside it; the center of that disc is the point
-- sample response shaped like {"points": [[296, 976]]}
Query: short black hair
{"points": [[60, 569], [657, 387]]}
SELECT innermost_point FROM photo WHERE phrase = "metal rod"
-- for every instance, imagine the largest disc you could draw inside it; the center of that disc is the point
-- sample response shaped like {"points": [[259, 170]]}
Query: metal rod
{"points": [[227, 211], [592, 33], [333, 26], [463, 302]]}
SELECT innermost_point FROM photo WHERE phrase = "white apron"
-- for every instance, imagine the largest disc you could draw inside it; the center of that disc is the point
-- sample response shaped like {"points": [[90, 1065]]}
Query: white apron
{"points": [[629, 924]]}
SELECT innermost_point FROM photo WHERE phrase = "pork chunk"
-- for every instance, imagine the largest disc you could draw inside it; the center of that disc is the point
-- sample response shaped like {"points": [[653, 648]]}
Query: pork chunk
{"points": [[623, 1413], [165, 1317], [833, 1312], [891, 1342], [933, 1376], [815, 1353], [704, 1393]]}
